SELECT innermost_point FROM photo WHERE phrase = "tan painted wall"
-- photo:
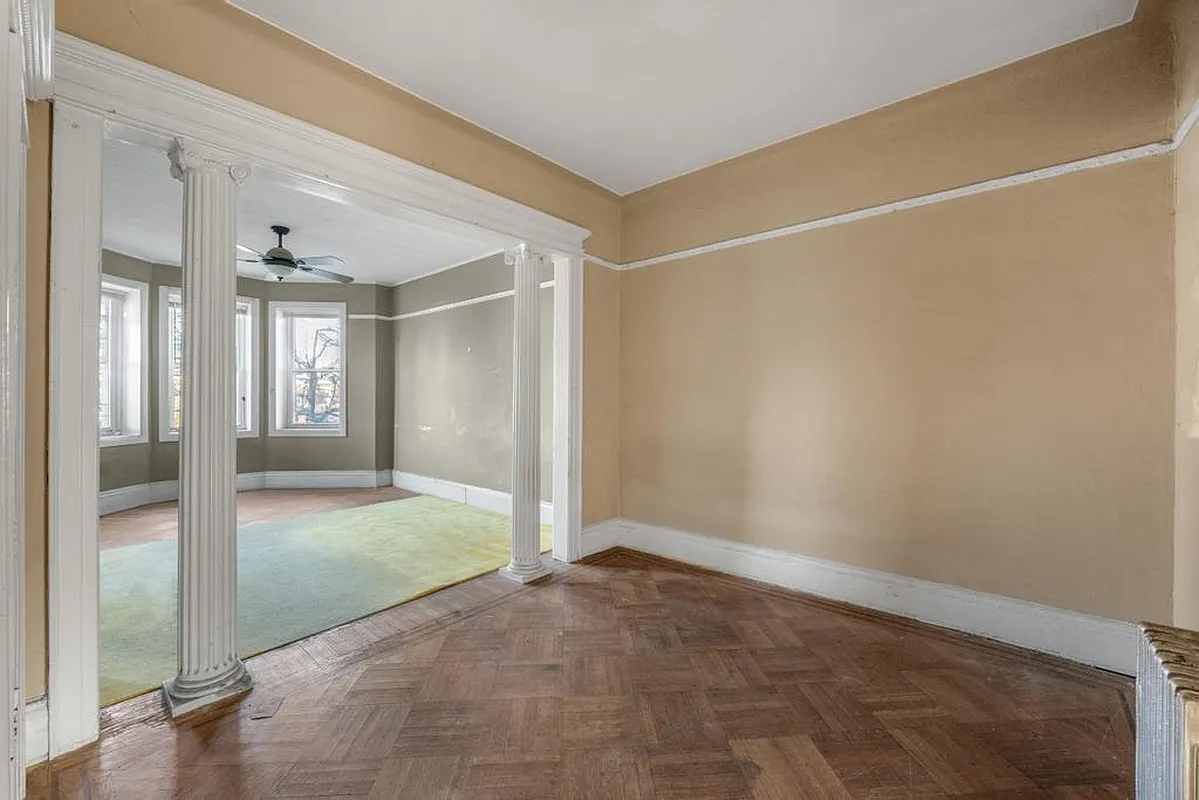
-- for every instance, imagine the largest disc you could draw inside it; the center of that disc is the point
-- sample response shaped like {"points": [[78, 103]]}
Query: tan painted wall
{"points": [[1104, 93], [1186, 487], [976, 392], [217, 44], [37, 297], [453, 377], [601, 394], [1185, 24], [1186, 270]]}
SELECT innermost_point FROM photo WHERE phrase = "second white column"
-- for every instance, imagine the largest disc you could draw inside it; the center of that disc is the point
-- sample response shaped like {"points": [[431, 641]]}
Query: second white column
{"points": [[526, 564], [209, 668]]}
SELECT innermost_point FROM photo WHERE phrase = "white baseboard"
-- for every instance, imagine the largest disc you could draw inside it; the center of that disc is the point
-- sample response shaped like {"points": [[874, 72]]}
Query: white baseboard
{"points": [[477, 496], [37, 731], [113, 500], [1107, 643]]}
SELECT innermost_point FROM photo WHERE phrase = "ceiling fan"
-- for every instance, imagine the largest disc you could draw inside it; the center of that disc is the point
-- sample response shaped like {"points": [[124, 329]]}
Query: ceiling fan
{"points": [[281, 263]]}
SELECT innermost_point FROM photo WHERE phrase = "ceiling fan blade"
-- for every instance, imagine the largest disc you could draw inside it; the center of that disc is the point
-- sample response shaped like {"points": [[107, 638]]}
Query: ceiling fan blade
{"points": [[322, 261], [251, 260], [324, 273], [249, 250]]}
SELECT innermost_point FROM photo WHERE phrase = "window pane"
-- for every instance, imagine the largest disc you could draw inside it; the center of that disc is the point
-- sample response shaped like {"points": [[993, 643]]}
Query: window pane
{"points": [[316, 342], [175, 360], [316, 398], [109, 310], [243, 336]]}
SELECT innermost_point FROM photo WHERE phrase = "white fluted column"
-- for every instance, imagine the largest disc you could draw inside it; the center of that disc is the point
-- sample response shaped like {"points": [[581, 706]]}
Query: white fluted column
{"points": [[209, 669], [526, 564]]}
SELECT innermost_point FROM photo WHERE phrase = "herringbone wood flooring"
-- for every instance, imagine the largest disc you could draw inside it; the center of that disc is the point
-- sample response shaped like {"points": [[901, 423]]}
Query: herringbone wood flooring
{"points": [[628, 677]]}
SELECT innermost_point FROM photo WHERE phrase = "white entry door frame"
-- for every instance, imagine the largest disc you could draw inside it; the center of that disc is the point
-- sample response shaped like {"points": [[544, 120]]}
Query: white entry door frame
{"points": [[25, 74], [99, 91]]}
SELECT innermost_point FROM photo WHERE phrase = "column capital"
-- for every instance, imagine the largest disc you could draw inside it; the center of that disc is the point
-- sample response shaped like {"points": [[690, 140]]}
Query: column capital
{"points": [[525, 251], [187, 156]]}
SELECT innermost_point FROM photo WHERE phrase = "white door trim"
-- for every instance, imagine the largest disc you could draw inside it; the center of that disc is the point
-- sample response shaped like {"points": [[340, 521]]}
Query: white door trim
{"points": [[96, 88], [73, 685]]}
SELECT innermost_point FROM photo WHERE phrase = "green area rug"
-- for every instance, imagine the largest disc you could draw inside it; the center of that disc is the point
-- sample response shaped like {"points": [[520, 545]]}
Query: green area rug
{"points": [[295, 578]]}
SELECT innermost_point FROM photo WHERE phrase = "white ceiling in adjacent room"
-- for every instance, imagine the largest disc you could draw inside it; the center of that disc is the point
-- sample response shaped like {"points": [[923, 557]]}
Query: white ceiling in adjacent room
{"points": [[143, 218], [629, 93]]}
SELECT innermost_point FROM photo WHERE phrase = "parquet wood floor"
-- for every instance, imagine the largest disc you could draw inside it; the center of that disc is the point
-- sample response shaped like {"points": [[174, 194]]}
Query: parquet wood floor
{"points": [[628, 677]]}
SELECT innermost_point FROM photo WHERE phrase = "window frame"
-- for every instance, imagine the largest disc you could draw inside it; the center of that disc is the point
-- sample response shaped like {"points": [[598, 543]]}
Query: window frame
{"points": [[165, 434], [275, 311], [134, 383]]}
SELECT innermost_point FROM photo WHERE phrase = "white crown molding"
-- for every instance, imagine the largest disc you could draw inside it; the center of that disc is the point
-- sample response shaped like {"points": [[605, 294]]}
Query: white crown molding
{"points": [[1151, 150], [36, 18], [477, 496], [130, 91], [1106, 643]]}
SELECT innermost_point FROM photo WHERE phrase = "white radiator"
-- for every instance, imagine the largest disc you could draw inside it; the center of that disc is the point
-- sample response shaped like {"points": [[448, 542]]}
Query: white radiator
{"points": [[1168, 714]]}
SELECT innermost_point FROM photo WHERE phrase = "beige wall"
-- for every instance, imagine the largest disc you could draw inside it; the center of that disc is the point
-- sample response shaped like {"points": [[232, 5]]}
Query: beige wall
{"points": [[1097, 95], [453, 374], [213, 42], [37, 296], [1185, 24], [1186, 270], [975, 392], [601, 394]]}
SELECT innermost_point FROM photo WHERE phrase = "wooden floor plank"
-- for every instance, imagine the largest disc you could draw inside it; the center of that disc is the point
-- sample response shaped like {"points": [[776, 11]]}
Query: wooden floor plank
{"points": [[627, 677]]}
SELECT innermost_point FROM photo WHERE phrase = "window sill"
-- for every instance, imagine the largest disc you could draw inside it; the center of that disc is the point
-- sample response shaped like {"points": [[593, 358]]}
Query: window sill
{"points": [[174, 437], [121, 441], [301, 433]]}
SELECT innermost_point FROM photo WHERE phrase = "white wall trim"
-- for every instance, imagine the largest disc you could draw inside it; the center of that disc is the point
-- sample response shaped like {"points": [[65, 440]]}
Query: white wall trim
{"points": [[981, 187], [140, 494], [568, 407], [36, 21], [1097, 641], [73, 687], [37, 731], [477, 496], [14, 137]]}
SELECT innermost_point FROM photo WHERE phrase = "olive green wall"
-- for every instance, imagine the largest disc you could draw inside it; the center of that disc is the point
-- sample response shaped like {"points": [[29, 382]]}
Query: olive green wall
{"points": [[367, 445], [453, 377]]}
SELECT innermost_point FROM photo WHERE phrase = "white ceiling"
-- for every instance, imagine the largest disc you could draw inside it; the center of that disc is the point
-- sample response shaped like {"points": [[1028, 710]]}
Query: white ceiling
{"points": [[143, 218], [630, 93]]}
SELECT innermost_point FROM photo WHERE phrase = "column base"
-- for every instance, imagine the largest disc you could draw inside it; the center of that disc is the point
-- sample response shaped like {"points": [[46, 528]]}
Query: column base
{"points": [[182, 700], [526, 573]]}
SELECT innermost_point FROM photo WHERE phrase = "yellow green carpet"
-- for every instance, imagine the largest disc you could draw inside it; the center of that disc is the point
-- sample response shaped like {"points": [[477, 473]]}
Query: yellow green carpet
{"points": [[295, 578]]}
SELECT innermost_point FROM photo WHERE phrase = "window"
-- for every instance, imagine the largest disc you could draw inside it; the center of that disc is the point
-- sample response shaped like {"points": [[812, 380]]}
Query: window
{"points": [[308, 385], [170, 320], [122, 336]]}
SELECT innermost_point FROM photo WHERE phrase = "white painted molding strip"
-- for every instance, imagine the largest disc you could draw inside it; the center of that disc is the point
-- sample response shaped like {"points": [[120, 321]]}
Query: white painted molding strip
{"points": [[477, 496], [981, 187], [1097, 641], [37, 731], [126, 497], [446, 306]]}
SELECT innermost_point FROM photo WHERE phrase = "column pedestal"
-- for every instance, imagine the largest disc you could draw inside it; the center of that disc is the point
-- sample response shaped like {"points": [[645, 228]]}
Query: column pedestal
{"points": [[526, 564], [209, 669]]}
